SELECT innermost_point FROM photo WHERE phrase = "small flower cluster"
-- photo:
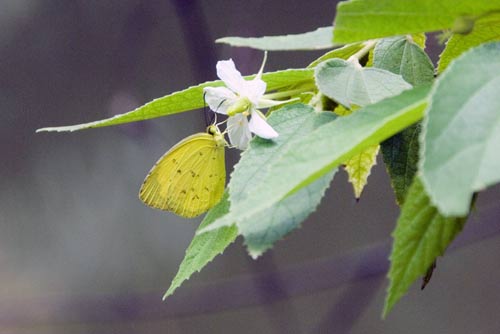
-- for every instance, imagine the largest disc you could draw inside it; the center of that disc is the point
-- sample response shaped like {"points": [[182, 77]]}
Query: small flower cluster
{"points": [[239, 100]]}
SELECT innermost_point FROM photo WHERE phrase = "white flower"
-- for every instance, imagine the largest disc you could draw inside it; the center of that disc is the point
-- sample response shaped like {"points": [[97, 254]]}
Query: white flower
{"points": [[239, 100]]}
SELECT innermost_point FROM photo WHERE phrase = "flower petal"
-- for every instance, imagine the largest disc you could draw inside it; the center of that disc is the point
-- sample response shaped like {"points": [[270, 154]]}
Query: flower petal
{"points": [[260, 127], [219, 98], [253, 89], [261, 70], [238, 131], [227, 72], [256, 88]]}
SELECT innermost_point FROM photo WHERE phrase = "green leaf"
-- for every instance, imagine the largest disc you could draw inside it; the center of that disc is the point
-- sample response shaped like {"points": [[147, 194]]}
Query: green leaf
{"points": [[267, 227], [486, 29], [461, 134], [187, 99], [401, 55], [292, 123], [343, 53], [320, 38], [320, 151], [349, 83], [359, 167], [360, 20], [400, 153], [205, 247], [421, 235]]}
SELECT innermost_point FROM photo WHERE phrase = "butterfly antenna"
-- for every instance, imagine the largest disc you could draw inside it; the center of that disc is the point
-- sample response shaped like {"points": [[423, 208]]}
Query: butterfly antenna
{"points": [[215, 113], [215, 120], [222, 122]]}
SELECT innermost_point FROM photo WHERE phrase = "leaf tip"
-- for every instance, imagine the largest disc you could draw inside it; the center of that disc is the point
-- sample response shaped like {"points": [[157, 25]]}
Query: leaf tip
{"points": [[389, 303], [169, 292], [254, 253], [255, 256], [256, 250], [386, 311]]}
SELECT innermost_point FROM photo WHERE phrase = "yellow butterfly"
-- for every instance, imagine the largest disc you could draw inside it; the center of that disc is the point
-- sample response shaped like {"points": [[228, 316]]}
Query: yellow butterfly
{"points": [[189, 179]]}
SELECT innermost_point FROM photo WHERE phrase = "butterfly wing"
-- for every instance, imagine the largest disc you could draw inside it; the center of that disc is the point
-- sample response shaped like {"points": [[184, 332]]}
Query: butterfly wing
{"points": [[189, 179]]}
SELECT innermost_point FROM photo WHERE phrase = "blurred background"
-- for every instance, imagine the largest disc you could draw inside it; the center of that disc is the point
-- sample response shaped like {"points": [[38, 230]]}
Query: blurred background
{"points": [[79, 253]]}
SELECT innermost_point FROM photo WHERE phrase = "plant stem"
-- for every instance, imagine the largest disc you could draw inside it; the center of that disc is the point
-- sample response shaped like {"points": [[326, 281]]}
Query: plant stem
{"points": [[287, 93], [361, 53]]}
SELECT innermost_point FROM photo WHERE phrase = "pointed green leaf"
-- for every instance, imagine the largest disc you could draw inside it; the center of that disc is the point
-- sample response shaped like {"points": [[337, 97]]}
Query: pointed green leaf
{"points": [[205, 247], [320, 38], [360, 20], [461, 133], [261, 231], [486, 29], [187, 99], [322, 150], [359, 167], [401, 55], [421, 235], [349, 83]]}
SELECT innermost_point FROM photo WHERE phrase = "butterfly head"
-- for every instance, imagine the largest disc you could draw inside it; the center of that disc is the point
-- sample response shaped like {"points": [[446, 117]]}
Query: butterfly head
{"points": [[218, 136]]}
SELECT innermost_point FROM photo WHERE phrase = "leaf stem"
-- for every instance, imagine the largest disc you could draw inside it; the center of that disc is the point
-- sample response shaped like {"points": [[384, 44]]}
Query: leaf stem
{"points": [[361, 53], [288, 93]]}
